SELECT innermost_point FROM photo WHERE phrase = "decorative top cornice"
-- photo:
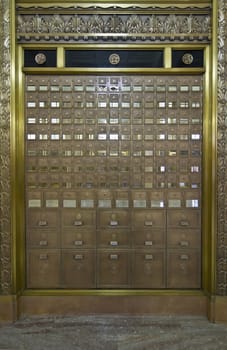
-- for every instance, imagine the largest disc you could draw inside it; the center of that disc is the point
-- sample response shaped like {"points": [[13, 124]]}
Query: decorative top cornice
{"points": [[51, 26]]}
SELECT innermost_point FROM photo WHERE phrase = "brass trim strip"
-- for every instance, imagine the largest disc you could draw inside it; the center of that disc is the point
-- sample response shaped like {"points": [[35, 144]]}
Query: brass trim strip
{"points": [[110, 292], [113, 70], [213, 242]]}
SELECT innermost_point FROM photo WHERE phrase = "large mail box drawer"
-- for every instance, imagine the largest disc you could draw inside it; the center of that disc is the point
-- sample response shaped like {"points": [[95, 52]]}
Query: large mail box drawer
{"points": [[153, 238], [113, 269], [43, 239], [78, 267], [183, 269], [43, 268], [76, 218], [181, 238], [148, 218], [183, 218], [148, 269], [117, 238], [80, 238], [113, 218], [43, 219]]}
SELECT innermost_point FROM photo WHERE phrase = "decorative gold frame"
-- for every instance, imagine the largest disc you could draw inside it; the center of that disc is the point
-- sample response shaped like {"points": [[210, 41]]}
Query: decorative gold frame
{"points": [[15, 261]]}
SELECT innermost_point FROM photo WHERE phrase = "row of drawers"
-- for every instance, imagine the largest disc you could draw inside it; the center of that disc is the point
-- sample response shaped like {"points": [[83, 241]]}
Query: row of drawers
{"points": [[73, 218], [115, 238], [113, 269]]}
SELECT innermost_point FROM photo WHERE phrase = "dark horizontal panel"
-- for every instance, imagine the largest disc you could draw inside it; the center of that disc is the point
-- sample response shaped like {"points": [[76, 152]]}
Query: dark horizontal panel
{"points": [[187, 58], [40, 58], [114, 58]]}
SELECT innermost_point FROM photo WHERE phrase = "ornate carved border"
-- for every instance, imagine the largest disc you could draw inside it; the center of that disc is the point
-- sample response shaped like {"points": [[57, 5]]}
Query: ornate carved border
{"points": [[222, 151], [5, 225], [77, 26]]}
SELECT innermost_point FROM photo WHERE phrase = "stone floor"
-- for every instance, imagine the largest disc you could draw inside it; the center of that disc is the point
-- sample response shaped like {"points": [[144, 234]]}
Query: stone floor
{"points": [[113, 333]]}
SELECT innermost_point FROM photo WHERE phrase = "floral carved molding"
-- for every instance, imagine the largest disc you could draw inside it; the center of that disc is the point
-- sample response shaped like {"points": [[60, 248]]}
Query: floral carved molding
{"points": [[109, 27], [5, 224]]}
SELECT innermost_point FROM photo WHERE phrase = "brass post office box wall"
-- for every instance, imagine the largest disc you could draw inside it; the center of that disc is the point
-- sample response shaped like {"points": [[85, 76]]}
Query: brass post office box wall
{"points": [[113, 180]]}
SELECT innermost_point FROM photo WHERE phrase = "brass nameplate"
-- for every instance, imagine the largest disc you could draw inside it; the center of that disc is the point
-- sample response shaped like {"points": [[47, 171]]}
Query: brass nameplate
{"points": [[184, 243], [43, 243], [43, 223], [148, 257], [113, 243], [148, 243], [43, 257], [184, 257], [113, 223], [113, 257], [78, 243], [184, 223], [78, 257], [148, 223], [78, 223]]}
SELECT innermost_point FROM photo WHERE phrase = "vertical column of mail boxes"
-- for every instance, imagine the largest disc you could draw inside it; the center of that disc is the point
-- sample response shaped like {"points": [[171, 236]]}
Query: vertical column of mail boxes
{"points": [[184, 201], [42, 186], [113, 240]]}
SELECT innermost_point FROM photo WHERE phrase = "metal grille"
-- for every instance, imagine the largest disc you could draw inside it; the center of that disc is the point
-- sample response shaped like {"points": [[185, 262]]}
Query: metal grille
{"points": [[113, 181]]}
